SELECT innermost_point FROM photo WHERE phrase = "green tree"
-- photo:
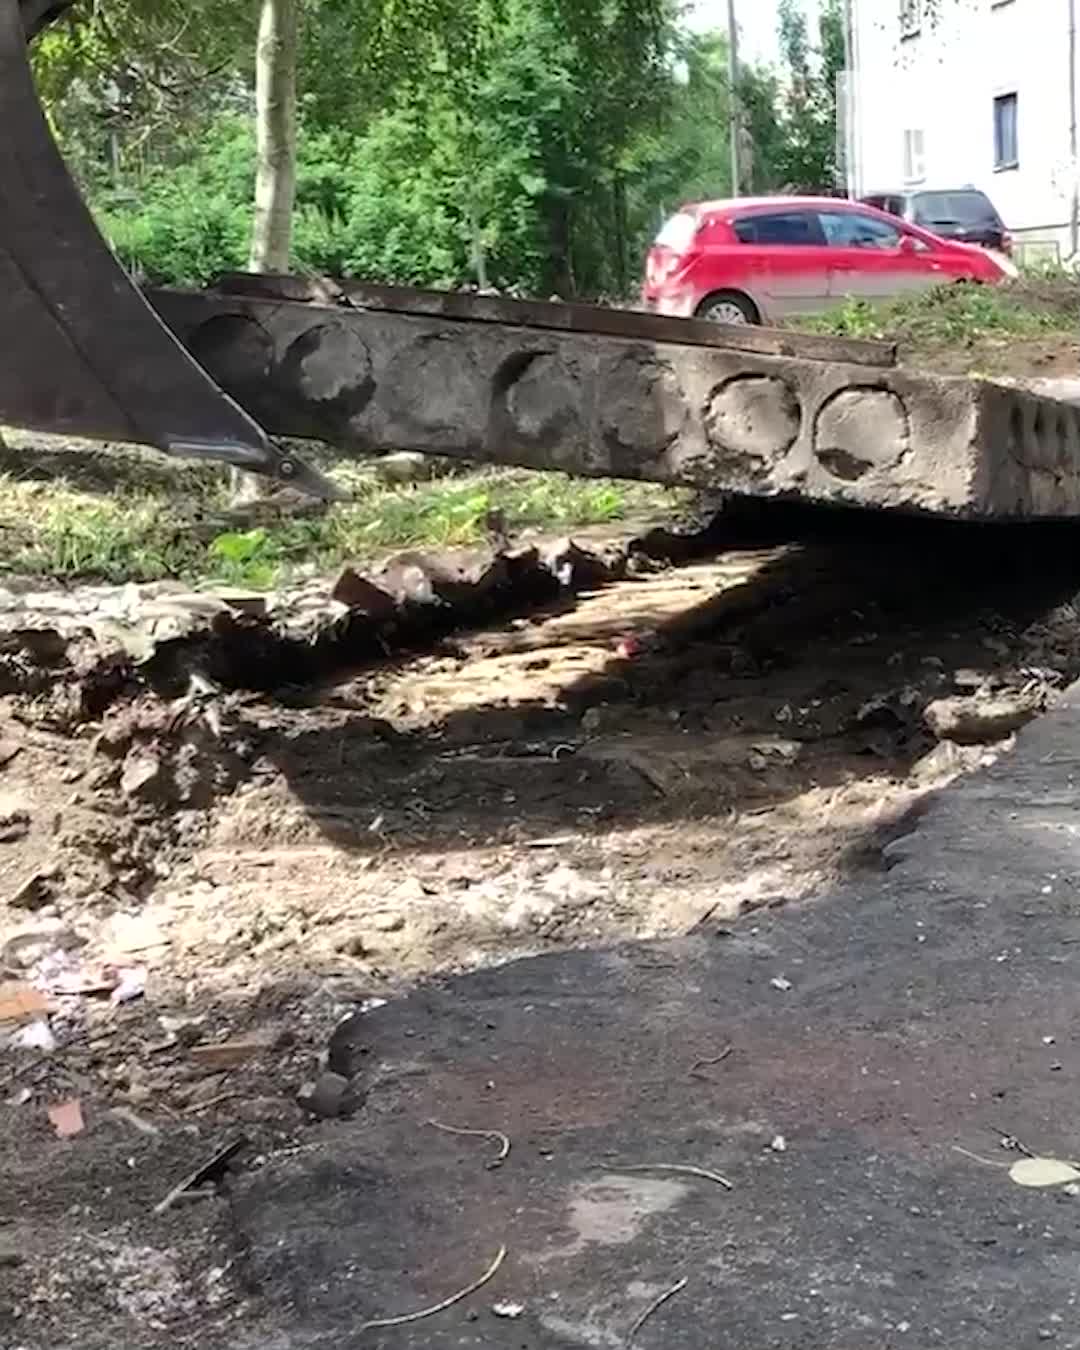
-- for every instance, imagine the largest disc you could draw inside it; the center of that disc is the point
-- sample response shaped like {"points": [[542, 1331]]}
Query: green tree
{"points": [[807, 154], [528, 144], [135, 82]]}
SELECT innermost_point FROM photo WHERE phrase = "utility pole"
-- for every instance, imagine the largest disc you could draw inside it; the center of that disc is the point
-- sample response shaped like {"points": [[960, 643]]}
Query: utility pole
{"points": [[1074, 213], [735, 102], [849, 102]]}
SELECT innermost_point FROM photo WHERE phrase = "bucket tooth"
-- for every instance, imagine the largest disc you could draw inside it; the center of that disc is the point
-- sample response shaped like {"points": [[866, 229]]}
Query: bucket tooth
{"points": [[81, 352]]}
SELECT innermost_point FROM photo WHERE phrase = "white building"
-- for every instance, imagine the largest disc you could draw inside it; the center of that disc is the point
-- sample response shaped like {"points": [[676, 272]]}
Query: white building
{"points": [[951, 93]]}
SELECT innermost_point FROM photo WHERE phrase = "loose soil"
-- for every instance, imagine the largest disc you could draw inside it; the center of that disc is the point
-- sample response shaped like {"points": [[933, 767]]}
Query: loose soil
{"points": [[679, 747]]}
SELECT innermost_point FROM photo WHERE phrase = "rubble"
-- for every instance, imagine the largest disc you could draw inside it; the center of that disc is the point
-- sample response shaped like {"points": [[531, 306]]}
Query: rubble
{"points": [[66, 1118], [143, 778], [14, 818], [327, 1097], [979, 720]]}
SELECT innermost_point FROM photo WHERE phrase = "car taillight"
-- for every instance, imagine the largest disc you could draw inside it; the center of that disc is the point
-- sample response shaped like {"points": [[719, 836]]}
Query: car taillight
{"points": [[664, 263]]}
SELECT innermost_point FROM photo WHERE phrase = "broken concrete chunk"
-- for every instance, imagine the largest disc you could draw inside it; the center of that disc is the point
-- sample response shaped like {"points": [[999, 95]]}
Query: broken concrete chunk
{"points": [[43, 646], [387, 921], [14, 818], [36, 891], [10, 1256], [361, 595], [24, 950], [36, 1035], [143, 778], [965, 679], [574, 567], [454, 577], [327, 1097], [407, 466], [977, 721], [113, 741], [253, 603]]}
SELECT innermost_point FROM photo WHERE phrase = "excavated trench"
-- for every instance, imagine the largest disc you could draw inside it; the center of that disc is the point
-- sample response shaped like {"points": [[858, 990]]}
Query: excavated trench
{"points": [[256, 818], [731, 667]]}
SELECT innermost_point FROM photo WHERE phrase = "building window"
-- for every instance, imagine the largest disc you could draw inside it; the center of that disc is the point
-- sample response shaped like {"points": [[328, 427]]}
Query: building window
{"points": [[910, 17], [914, 156], [1006, 142]]}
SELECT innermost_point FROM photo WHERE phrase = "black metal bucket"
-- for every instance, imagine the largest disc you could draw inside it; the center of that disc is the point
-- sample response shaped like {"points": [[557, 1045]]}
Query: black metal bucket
{"points": [[81, 352]]}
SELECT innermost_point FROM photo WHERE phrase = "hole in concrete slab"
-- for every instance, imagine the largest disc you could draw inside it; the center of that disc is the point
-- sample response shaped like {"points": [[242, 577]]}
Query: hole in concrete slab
{"points": [[329, 365], [843, 465], [535, 399], [861, 425], [1038, 428], [754, 418], [1016, 427], [236, 350]]}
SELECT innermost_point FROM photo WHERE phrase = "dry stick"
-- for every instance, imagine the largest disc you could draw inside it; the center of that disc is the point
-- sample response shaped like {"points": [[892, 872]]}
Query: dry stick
{"points": [[986, 1162], [676, 1167], [209, 1173], [716, 1059], [439, 1307], [653, 1306], [503, 1140], [1010, 1141]]}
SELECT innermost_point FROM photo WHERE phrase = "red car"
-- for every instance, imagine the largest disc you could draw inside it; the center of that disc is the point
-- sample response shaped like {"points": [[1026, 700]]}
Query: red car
{"points": [[759, 260]]}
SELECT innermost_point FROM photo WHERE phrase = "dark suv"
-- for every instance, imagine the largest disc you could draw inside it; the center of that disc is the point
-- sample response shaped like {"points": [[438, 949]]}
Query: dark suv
{"points": [[964, 214]]}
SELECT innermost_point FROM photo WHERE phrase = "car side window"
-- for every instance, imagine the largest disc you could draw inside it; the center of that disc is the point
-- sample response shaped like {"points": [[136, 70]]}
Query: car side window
{"points": [[780, 227], [849, 229]]}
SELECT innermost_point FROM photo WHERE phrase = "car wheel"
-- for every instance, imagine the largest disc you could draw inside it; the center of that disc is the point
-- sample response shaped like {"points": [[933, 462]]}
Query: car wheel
{"points": [[728, 307]]}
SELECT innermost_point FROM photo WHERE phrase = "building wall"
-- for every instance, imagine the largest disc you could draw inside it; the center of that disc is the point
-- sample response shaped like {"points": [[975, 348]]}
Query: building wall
{"points": [[943, 81]]}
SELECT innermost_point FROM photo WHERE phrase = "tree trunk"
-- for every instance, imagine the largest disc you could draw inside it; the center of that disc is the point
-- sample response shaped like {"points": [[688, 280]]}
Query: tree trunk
{"points": [[561, 244], [477, 249], [275, 175], [275, 125]]}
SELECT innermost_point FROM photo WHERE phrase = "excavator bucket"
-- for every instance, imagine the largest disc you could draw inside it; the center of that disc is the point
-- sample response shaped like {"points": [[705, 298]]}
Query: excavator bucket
{"points": [[81, 352]]}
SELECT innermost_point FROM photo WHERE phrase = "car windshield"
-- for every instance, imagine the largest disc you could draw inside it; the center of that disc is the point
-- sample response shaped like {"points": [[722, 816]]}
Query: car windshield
{"points": [[953, 208]]}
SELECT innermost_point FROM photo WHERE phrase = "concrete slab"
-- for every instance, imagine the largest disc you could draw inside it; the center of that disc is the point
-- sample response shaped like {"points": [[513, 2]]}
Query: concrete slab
{"points": [[931, 1007], [785, 421]]}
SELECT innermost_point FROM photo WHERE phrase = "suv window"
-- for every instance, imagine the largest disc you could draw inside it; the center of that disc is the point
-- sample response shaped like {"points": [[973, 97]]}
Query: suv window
{"points": [[849, 229], [780, 227], [952, 208], [893, 205]]}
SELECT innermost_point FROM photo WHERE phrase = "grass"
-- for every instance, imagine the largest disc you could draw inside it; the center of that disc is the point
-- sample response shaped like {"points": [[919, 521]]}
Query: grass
{"points": [[126, 515], [1036, 306]]}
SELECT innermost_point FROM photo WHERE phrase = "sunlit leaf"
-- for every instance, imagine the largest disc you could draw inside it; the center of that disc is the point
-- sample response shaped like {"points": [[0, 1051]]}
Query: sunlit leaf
{"points": [[1040, 1172]]}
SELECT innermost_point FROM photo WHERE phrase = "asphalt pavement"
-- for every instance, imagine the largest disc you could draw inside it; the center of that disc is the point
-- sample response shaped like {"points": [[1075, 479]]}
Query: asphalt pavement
{"points": [[852, 1066]]}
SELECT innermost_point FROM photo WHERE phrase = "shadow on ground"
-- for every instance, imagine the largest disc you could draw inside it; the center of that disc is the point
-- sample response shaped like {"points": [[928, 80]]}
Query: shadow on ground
{"points": [[872, 1035], [826, 656]]}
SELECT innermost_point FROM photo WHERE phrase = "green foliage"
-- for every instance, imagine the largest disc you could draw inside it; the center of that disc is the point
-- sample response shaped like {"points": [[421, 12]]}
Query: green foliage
{"points": [[247, 558], [951, 315], [806, 158], [536, 167], [147, 523], [130, 83], [532, 145]]}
